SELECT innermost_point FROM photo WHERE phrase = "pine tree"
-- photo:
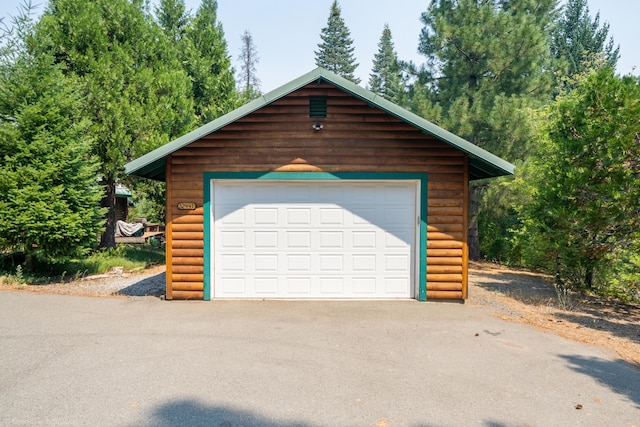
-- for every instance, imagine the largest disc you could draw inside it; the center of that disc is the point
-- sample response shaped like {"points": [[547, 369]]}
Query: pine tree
{"points": [[335, 53], [479, 52], [488, 65], [386, 78], [581, 41], [247, 78]]}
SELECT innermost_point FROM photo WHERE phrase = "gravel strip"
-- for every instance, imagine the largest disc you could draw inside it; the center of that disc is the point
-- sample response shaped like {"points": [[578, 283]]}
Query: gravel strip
{"points": [[150, 283]]}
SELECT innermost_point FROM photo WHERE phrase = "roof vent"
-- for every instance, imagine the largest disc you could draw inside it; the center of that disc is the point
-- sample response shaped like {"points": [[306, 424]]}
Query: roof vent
{"points": [[317, 107]]}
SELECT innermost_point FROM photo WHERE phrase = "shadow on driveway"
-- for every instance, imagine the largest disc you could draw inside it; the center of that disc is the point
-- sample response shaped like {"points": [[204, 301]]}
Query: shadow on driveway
{"points": [[190, 412], [610, 373], [149, 286], [194, 413]]}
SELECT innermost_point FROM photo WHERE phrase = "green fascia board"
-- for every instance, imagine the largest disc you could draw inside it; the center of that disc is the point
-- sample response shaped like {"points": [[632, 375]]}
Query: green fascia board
{"points": [[488, 161], [155, 160], [482, 163]]}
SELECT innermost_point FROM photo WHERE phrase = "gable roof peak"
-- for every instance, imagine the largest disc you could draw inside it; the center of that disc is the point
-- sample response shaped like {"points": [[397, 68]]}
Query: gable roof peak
{"points": [[482, 164]]}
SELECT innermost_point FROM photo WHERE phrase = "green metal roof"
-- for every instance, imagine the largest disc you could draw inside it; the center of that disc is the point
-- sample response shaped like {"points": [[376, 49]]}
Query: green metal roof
{"points": [[121, 190], [482, 164]]}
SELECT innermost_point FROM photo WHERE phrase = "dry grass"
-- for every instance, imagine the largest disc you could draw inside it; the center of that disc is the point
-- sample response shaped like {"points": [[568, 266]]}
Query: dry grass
{"points": [[531, 298]]}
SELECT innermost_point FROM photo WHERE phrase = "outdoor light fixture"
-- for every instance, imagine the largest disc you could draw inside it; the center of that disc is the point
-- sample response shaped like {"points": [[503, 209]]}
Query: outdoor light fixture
{"points": [[317, 127]]}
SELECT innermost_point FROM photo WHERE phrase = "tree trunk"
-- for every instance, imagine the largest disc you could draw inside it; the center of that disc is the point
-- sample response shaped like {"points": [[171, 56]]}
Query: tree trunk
{"points": [[475, 194], [588, 277], [108, 239]]}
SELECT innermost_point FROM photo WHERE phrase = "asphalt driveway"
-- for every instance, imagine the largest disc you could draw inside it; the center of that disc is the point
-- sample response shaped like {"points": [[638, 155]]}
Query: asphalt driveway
{"points": [[128, 362]]}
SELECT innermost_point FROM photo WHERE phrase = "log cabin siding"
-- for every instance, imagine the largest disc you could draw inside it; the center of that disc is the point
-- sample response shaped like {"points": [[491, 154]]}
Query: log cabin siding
{"points": [[355, 138]]}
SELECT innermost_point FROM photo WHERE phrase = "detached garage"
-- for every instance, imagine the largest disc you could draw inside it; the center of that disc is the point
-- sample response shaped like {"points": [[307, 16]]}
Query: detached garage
{"points": [[319, 189]]}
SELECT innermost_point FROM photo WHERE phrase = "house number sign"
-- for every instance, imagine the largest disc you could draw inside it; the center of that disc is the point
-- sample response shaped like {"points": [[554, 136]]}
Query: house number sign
{"points": [[186, 206]]}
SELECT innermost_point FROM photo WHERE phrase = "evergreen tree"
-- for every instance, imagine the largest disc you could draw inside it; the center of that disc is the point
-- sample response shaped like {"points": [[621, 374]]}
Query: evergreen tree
{"points": [[208, 64], [335, 53], [386, 78], [198, 42], [202, 49], [584, 186], [581, 41], [488, 64], [49, 196], [248, 79], [480, 53], [135, 93], [173, 18]]}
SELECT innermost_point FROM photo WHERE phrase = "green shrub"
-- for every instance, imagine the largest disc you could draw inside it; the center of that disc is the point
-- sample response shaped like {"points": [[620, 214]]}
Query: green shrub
{"points": [[622, 279]]}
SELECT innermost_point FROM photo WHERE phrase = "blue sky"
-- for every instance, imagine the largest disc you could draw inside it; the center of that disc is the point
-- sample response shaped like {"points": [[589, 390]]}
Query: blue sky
{"points": [[286, 32]]}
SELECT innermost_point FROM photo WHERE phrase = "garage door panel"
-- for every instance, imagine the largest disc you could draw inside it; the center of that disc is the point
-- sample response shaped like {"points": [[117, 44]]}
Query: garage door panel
{"points": [[365, 216], [332, 263], [298, 286], [396, 285], [398, 216], [400, 239], [265, 193], [364, 262], [332, 286], [232, 193], [236, 216], [330, 193], [364, 286], [233, 285], [300, 194], [331, 239], [265, 263], [299, 216], [232, 239], [266, 286], [396, 263], [397, 194], [233, 262], [313, 240], [298, 240], [299, 263], [264, 239], [365, 195], [364, 239], [331, 216], [265, 216]]}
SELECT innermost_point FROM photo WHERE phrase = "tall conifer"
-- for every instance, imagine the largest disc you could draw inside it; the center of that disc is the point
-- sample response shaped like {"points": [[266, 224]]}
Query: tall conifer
{"points": [[248, 80], [173, 18], [581, 41], [488, 64], [335, 53], [208, 64], [385, 78], [49, 195], [135, 93]]}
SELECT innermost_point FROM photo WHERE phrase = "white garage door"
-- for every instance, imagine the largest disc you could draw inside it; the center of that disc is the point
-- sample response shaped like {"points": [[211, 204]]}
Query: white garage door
{"points": [[314, 239]]}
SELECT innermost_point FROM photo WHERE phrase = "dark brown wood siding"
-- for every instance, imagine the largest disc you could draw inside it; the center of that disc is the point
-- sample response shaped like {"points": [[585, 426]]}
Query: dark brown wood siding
{"points": [[122, 209], [355, 138]]}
